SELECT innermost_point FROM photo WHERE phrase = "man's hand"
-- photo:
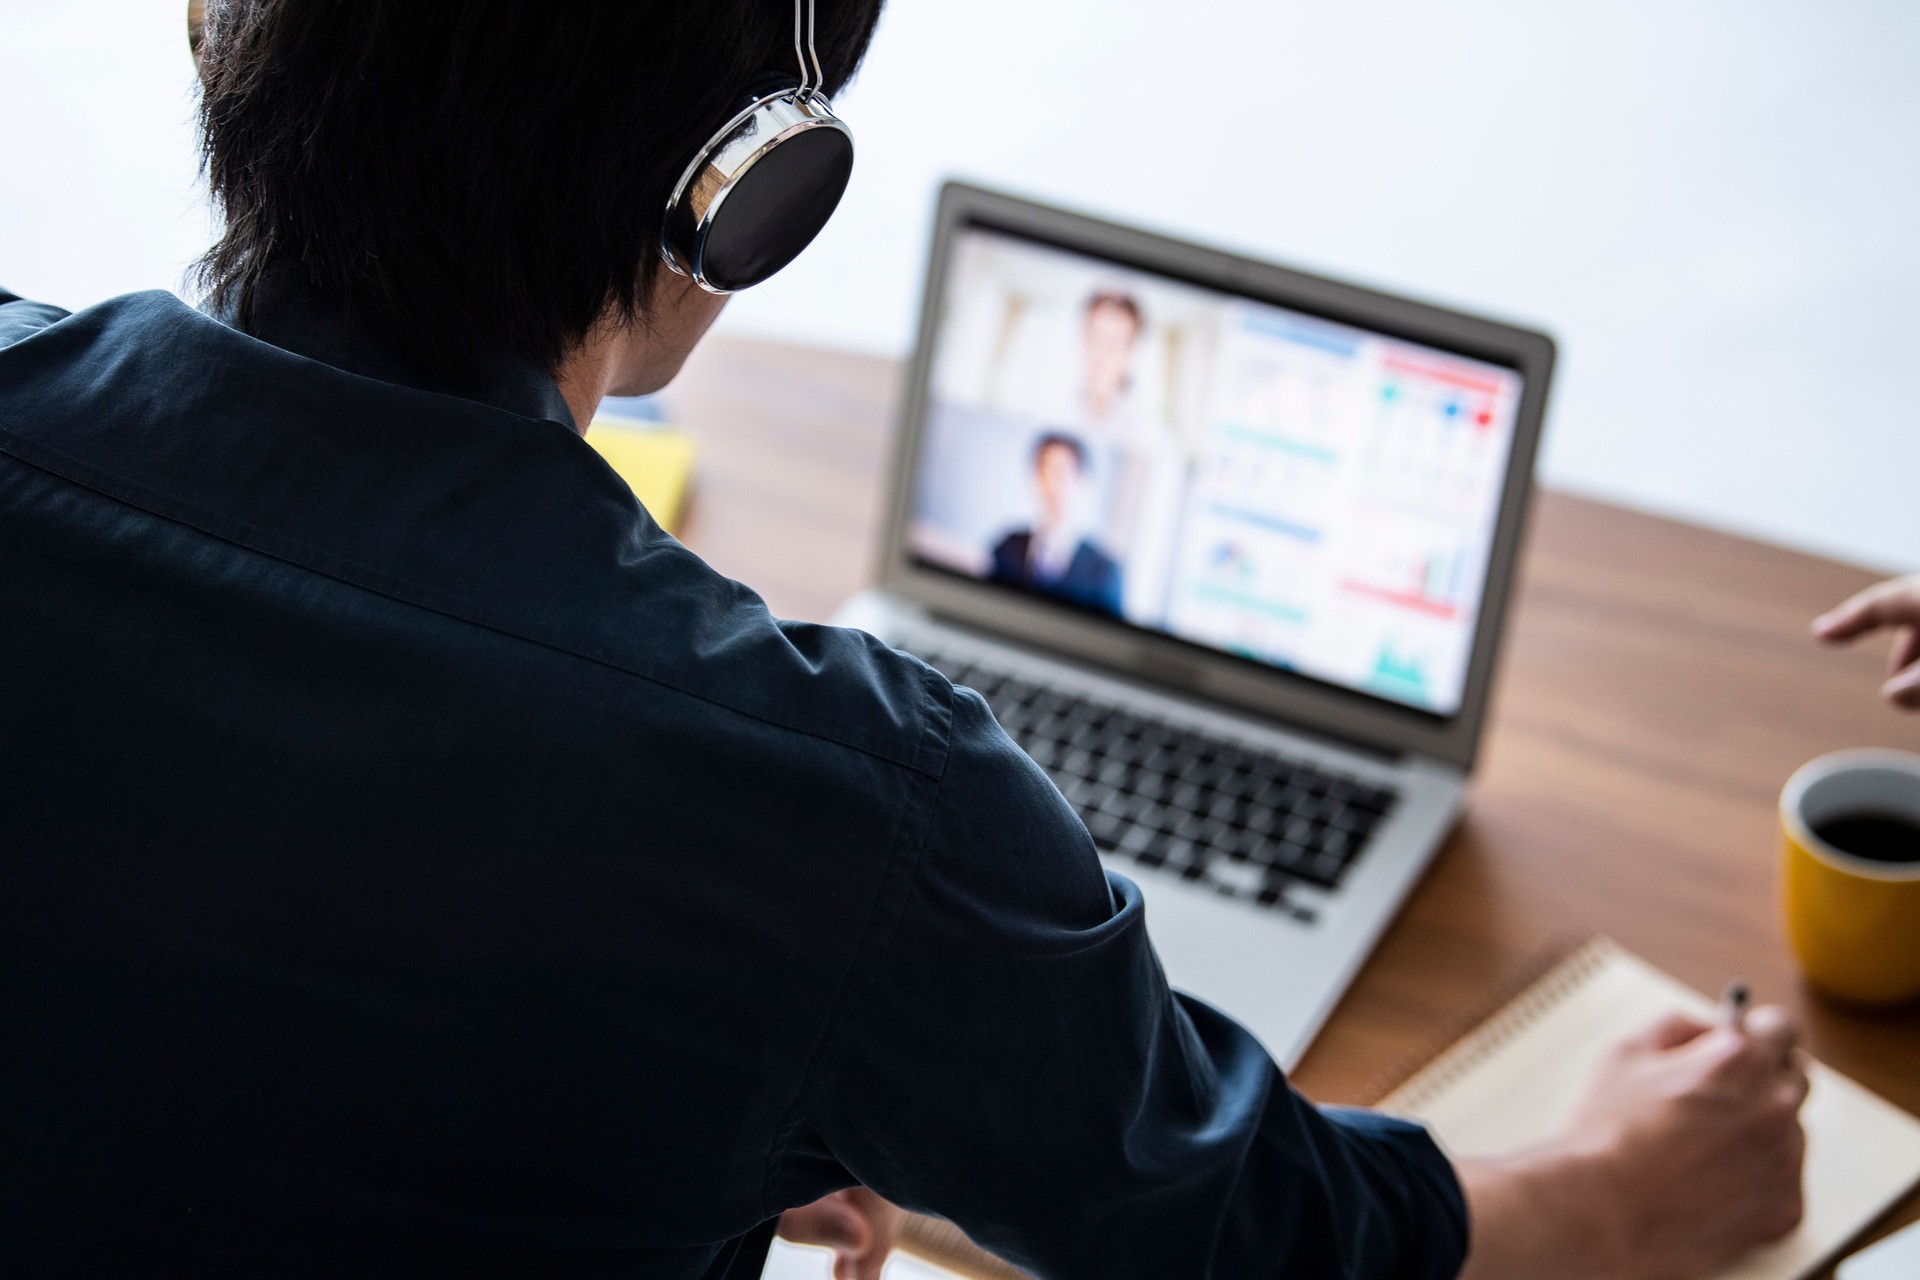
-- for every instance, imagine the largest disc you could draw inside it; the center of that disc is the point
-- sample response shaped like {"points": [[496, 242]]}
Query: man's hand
{"points": [[1684, 1154], [856, 1224], [1894, 603]]}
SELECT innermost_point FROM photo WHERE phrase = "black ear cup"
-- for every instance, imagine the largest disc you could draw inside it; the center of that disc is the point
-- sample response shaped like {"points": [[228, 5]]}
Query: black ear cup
{"points": [[774, 208], [759, 191]]}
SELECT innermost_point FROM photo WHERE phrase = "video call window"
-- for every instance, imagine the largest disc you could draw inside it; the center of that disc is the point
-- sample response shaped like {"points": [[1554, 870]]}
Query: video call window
{"points": [[1244, 477]]}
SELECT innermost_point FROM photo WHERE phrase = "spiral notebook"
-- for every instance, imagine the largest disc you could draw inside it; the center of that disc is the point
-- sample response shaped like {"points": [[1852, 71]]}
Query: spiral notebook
{"points": [[1511, 1083]]}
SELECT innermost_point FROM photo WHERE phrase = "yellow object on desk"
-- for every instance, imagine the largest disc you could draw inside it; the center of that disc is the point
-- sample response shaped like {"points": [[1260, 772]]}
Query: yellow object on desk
{"points": [[656, 462], [1854, 920]]}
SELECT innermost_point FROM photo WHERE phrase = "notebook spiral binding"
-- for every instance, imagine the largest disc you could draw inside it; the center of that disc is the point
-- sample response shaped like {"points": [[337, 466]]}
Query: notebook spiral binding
{"points": [[1513, 1018]]}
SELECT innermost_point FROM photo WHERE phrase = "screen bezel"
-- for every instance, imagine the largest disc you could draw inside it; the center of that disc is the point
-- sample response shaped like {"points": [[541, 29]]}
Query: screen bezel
{"points": [[1167, 660]]}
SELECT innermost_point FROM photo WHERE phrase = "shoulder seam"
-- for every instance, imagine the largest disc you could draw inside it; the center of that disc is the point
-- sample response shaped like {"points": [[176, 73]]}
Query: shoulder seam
{"points": [[928, 759]]}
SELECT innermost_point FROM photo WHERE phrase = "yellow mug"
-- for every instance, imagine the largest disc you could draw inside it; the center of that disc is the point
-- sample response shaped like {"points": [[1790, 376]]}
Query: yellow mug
{"points": [[1850, 827]]}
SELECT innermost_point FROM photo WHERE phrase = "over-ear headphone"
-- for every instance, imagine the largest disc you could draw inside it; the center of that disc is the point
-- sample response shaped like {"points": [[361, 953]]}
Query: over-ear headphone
{"points": [[762, 187]]}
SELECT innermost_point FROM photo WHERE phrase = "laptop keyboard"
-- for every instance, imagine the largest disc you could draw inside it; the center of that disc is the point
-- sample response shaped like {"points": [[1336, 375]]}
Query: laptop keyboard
{"points": [[1248, 822]]}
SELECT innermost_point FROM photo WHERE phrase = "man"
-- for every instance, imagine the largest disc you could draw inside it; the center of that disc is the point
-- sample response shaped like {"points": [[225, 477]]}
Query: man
{"points": [[1053, 555], [416, 863]]}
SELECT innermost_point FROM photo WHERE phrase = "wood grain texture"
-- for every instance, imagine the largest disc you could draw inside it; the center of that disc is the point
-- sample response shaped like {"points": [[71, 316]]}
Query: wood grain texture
{"points": [[1658, 687]]}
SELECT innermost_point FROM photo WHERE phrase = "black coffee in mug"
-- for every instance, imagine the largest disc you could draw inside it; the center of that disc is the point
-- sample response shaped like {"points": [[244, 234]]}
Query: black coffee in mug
{"points": [[1877, 837]]}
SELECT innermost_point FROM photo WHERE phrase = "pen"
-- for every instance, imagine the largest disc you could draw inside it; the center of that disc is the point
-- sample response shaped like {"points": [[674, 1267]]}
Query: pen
{"points": [[1733, 1006]]}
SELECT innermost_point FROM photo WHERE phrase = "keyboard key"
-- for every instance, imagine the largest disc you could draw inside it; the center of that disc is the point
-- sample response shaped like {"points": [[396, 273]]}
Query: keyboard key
{"points": [[1160, 757], [1279, 882], [1271, 794], [1286, 855], [1242, 879], [1237, 844], [1157, 817]]}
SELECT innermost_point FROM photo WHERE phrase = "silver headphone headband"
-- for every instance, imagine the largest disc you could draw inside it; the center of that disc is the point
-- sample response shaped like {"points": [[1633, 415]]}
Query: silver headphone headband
{"points": [[812, 79]]}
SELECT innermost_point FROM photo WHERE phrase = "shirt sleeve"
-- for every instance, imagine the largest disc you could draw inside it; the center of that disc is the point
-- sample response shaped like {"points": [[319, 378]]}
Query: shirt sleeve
{"points": [[1013, 1060], [20, 318]]}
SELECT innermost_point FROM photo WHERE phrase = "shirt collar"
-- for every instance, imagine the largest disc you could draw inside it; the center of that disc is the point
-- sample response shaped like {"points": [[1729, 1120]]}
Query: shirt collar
{"points": [[288, 314]]}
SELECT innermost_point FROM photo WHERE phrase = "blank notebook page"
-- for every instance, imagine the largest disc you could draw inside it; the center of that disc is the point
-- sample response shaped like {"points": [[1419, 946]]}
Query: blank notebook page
{"points": [[1513, 1082]]}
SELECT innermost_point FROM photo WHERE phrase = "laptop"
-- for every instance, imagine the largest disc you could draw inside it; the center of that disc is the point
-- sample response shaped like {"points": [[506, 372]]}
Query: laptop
{"points": [[1226, 547]]}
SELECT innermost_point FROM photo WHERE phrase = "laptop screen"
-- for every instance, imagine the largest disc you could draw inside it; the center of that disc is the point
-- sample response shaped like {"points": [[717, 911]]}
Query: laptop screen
{"points": [[1252, 479]]}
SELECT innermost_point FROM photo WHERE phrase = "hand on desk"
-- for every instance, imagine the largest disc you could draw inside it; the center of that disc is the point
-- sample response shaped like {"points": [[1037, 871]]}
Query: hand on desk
{"points": [[856, 1224], [1685, 1153], [1894, 603]]}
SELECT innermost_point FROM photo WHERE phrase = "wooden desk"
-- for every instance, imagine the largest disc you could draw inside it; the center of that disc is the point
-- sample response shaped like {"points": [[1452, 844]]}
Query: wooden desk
{"points": [[1657, 688]]}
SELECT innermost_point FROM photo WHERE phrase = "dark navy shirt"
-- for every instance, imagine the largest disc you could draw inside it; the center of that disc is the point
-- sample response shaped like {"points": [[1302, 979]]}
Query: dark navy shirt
{"points": [[413, 861]]}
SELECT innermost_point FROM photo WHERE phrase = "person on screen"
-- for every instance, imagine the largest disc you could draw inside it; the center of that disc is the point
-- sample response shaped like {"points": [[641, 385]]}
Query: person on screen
{"points": [[1109, 339], [417, 863], [1053, 555]]}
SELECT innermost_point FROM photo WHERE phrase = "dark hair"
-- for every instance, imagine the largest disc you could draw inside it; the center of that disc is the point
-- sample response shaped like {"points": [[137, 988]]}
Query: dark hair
{"points": [[1120, 301], [1060, 440], [473, 176]]}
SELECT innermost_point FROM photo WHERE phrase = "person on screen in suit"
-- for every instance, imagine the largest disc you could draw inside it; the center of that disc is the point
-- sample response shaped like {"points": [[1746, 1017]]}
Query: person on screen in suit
{"points": [[1053, 555], [1892, 605], [416, 863]]}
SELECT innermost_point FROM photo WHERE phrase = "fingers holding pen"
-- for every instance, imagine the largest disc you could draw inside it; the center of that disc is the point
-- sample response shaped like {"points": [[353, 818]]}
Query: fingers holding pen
{"points": [[1754, 1057], [1772, 1034]]}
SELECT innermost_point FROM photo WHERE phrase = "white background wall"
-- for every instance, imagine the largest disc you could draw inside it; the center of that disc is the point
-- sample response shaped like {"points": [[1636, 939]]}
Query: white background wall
{"points": [[1714, 204]]}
